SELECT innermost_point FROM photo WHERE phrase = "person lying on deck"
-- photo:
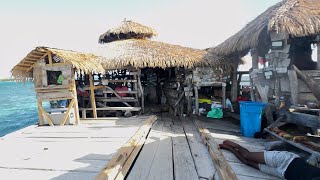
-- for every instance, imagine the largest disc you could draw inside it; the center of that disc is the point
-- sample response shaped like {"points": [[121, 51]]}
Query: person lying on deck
{"points": [[283, 164]]}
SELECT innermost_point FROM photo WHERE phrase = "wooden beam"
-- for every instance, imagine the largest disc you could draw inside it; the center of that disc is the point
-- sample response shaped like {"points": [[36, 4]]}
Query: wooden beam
{"points": [[234, 89], [141, 89], [255, 58], [31, 59], [45, 114], [224, 85], [74, 90], [224, 169], [41, 122], [65, 117], [92, 96], [196, 99], [293, 86], [121, 162], [50, 58], [35, 64]]}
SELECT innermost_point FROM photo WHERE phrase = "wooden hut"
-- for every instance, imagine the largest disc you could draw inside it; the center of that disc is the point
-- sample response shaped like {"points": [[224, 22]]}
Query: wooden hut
{"points": [[53, 73], [281, 40], [131, 48]]}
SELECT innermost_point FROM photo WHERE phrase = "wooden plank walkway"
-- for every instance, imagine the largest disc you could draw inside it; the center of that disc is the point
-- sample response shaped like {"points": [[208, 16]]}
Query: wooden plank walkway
{"points": [[173, 150], [64, 152], [228, 129]]}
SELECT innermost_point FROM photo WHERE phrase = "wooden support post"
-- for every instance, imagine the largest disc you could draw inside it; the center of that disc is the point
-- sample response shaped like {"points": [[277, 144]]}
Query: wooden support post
{"points": [[224, 85], [255, 58], [189, 108], [293, 86], [41, 122], [234, 92], [318, 55], [141, 89], [252, 97], [50, 58], [196, 99], [74, 90], [92, 95]]}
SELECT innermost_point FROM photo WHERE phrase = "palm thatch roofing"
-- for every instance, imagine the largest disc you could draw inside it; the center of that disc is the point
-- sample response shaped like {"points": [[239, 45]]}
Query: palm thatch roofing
{"points": [[298, 18], [141, 53], [127, 30], [85, 62]]}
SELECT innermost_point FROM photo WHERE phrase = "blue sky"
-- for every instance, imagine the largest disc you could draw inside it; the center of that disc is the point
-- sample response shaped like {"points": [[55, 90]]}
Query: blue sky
{"points": [[77, 24]]}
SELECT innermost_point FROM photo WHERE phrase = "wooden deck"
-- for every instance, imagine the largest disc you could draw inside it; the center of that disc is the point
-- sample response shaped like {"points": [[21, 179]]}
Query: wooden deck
{"points": [[173, 150], [64, 152]]}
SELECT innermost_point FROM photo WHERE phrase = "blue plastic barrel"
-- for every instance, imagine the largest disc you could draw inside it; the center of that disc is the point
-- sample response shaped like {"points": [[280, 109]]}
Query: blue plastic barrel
{"points": [[250, 117]]}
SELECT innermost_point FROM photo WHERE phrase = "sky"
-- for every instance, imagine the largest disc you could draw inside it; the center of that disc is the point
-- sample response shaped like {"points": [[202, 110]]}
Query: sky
{"points": [[77, 24]]}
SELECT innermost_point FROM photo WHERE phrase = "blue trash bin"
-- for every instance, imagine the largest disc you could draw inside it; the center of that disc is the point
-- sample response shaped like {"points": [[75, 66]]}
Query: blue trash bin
{"points": [[250, 117]]}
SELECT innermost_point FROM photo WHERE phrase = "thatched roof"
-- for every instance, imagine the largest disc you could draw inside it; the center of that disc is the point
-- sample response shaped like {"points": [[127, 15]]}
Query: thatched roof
{"points": [[141, 53], [85, 62], [127, 30], [298, 18]]}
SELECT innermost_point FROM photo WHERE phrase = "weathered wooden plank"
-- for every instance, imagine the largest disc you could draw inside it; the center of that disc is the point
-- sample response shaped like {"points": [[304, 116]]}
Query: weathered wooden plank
{"points": [[162, 166], [221, 164], [142, 166], [200, 153], [115, 165], [184, 167]]}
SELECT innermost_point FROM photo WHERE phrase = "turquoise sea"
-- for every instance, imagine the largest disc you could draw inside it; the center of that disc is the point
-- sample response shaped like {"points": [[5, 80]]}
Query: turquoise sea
{"points": [[18, 106]]}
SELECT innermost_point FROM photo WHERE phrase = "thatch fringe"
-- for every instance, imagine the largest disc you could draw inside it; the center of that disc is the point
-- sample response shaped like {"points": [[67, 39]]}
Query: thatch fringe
{"points": [[298, 18], [141, 53], [127, 30]]}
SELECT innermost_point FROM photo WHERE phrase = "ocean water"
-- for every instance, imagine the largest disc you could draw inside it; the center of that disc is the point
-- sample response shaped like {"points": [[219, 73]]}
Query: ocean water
{"points": [[18, 106]]}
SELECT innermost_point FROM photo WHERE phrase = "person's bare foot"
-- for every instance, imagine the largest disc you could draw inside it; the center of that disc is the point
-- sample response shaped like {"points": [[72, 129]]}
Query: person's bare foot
{"points": [[230, 143]]}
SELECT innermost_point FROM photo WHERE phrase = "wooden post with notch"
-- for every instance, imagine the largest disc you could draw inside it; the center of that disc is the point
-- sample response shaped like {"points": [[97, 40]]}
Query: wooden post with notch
{"points": [[92, 96]]}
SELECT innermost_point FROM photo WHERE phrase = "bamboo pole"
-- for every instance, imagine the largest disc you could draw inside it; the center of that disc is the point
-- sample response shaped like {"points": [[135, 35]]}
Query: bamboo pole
{"points": [[92, 95]]}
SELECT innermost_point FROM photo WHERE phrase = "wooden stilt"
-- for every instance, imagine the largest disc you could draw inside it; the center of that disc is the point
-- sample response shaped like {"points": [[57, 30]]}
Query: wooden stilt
{"points": [[41, 122], [76, 105], [293, 86], [234, 92], [224, 85], [196, 98], [92, 95]]}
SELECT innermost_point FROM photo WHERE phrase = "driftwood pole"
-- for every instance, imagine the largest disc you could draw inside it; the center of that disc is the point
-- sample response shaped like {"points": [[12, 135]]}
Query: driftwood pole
{"points": [[234, 93]]}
